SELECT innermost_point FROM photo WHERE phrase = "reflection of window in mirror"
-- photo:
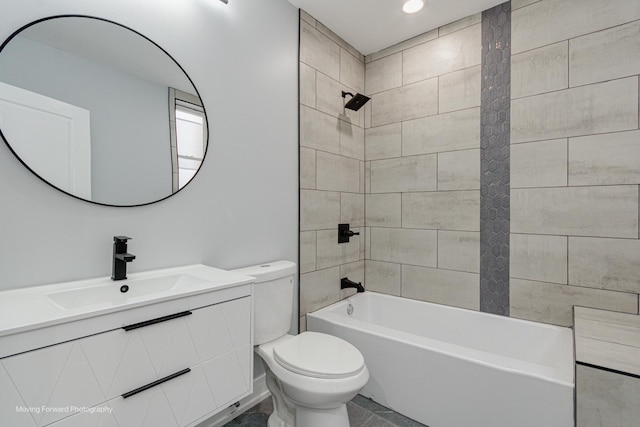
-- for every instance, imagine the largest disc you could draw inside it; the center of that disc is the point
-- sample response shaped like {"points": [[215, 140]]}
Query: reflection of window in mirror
{"points": [[188, 136]]}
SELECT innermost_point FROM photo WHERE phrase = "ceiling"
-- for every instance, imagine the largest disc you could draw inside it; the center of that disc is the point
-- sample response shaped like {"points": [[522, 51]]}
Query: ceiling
{"points": [[372, 25]]}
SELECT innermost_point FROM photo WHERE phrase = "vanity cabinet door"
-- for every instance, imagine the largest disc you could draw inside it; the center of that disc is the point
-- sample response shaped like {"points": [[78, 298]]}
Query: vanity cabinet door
{"points": [[43, 386]]}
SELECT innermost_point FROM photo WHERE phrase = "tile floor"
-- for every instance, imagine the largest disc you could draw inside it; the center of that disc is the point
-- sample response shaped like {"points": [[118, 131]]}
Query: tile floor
{"points": [[363, 412]]}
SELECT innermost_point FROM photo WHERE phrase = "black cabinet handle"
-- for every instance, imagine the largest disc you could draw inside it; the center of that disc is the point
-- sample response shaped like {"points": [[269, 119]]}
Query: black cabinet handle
{"points": [[154, 321], [155, 383]]}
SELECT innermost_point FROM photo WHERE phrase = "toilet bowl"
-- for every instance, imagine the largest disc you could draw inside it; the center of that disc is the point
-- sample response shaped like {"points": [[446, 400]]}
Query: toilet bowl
{"points": [[311, 376]]}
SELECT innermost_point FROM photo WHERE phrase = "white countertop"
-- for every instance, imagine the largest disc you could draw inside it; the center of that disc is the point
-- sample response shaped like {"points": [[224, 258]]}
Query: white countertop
{"points": [[30, 308]]}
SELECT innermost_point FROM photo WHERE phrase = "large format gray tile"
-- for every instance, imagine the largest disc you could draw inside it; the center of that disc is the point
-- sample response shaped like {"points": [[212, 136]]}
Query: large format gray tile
{"points": [[352, 209], [351, 71], [459, 170], [414, 41], [459, 130], [329, 100], [318, 51], [383, 142], [383, 277], [319, 130], [605, 159], [578, 211], [605, 55], [540, 258], [307, 85], [459, 90], [612, 264], [553, 303], [353, 271], [441, 286], [585, 110], [331, 253], [459, 250], [337, 173], [539, 164], [384, 74], [605, 398], [541, 70], [417, 247], [551, 21], [434, 58], [319, 209], [351, 140], [405, 103], [414, 173], [383, 210], [460, 24], [307, 251], [307, 168], [444, 210], [319, 289]]}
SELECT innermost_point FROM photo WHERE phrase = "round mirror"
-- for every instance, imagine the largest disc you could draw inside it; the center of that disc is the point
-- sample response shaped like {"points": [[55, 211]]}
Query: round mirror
{"points": [[99, 111]]}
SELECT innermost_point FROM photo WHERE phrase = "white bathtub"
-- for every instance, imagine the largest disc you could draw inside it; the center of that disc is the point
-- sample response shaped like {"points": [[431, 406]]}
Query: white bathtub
{"points": [[445, 366]]}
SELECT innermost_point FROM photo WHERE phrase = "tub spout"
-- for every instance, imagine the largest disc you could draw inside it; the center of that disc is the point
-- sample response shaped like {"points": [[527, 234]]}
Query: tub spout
{"points": [[346, 283]]}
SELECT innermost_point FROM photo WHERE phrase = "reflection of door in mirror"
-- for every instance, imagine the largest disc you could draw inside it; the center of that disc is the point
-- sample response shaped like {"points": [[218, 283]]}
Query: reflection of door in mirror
{"points": [[63, 153], [188, 136]]}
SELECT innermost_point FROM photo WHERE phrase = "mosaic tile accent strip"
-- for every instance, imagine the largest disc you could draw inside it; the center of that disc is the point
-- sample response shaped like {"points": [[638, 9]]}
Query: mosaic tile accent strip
{"points": [[494, 160]]}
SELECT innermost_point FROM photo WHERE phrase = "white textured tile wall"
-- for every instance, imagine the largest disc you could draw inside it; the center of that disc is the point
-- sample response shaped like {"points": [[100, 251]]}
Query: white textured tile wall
{"points": [[319, 289], [319, 209], [307, 168], [352, 209], [330, 253], [319, 130]]}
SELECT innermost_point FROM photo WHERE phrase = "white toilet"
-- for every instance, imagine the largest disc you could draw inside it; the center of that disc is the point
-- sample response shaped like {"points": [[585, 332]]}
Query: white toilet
{"points": [[311, 375]]}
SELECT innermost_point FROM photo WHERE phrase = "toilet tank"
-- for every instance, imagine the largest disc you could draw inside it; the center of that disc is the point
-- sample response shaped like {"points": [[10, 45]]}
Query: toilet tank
{"points": [[273, 294]]}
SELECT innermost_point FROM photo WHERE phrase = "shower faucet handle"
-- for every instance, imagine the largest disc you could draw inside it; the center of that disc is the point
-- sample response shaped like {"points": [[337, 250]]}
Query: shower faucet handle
{"points": [[344, 233]]}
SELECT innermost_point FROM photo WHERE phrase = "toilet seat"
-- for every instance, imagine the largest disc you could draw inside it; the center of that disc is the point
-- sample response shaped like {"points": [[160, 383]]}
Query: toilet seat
{"points": [[319, 355]]}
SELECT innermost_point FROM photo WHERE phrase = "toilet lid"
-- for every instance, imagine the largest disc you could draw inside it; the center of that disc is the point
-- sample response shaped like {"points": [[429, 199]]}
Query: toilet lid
{"points": [[319, 355]]}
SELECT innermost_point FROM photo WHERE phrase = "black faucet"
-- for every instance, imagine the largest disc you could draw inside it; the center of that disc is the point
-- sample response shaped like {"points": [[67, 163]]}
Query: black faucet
{"points": [[346, 283], [120, 258]]}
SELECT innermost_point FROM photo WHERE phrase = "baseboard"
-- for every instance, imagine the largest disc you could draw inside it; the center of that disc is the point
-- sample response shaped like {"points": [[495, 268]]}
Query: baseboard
{"points": [[260, 392]]}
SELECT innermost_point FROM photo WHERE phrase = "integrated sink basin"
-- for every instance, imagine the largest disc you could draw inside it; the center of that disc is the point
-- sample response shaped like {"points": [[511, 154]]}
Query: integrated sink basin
{"points": [[109, 293], [157, 291]]}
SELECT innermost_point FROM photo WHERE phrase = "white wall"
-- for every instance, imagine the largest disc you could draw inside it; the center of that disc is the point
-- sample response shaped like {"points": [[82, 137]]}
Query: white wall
{"points": [[241, 208]]}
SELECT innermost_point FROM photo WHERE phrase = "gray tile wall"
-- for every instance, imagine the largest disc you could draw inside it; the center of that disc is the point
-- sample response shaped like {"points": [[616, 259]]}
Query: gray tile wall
{"points": [[332, 154], [422, 171], [575, 153]]}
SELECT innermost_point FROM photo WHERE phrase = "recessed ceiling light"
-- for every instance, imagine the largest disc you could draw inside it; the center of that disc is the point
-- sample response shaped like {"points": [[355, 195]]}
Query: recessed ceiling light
{"points": [[412, 6]]}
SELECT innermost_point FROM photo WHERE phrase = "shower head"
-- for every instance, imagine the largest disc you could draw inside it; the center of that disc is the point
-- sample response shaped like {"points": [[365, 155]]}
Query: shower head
{"points": [[356, 102]]}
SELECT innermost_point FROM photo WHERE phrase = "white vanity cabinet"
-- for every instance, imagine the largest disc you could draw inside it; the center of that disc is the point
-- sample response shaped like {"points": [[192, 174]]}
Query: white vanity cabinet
{"points": [[172, 370]]}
